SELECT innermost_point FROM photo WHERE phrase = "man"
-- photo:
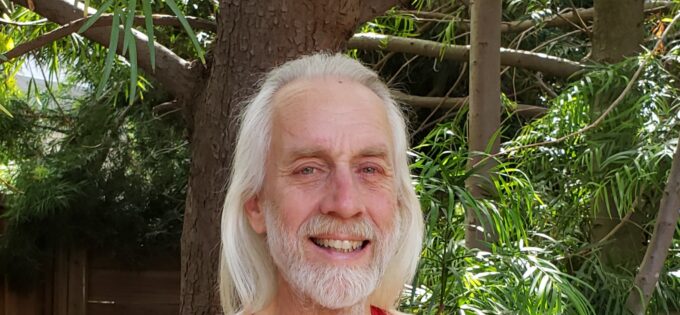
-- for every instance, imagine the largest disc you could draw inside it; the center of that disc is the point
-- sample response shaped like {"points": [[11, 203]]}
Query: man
{"points": [[320, 215]]}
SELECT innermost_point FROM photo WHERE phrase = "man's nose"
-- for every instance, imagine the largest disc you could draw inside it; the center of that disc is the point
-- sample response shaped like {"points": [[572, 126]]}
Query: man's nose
{"points": [[343, 198]]}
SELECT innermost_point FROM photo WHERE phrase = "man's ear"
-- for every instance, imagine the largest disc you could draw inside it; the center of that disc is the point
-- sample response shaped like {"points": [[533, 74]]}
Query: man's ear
{"points": [[255, 215]]}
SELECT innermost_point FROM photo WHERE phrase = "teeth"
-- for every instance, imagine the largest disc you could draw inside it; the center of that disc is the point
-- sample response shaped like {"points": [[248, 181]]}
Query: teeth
{"points": [[344, 246]]}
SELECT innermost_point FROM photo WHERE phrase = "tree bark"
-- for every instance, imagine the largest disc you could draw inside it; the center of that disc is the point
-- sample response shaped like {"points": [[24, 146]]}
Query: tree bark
{"points": [[625, 248], [484, 117], [657, 251], [612, 44], [252, 37], [547, 64]]}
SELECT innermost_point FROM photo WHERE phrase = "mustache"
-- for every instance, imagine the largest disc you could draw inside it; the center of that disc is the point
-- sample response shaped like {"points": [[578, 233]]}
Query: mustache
{"points": [[325, 224]]}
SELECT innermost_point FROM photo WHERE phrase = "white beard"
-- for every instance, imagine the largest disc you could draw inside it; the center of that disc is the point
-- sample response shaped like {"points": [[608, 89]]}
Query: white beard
{"points": [[332, 287]]}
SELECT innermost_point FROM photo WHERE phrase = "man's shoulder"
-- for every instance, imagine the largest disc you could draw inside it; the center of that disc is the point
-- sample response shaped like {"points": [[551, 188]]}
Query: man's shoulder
{"points": [[395, 312]]}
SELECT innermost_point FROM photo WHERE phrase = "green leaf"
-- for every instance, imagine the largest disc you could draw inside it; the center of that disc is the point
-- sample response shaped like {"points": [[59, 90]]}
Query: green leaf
{"points": [[148, 20], [87, 7], [4, 110], [95, 16], [128, 24], [175, 9], [133, 70], [111, 54], [2, 57]]}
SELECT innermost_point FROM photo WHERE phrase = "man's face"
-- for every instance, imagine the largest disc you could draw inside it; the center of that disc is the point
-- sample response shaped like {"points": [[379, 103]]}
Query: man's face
{"points": [[328, 204]]}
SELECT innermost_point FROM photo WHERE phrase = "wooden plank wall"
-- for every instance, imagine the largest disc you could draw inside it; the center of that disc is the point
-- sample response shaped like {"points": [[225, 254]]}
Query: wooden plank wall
{"points": [[21, 303], [150, 288], [90, 284]]}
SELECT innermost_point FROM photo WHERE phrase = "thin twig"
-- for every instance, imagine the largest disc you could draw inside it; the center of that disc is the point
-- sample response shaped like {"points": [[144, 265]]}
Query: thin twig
{"points": [[48, 87], [609, 109], [381, 63], [31, 23], [446, 115], [10, 186], [544, 86], [453, 87], [578, 15], [611, 233], [570, 22], [554, 39], [594, 124], [624, 220], [403, 66], [558, 20]]}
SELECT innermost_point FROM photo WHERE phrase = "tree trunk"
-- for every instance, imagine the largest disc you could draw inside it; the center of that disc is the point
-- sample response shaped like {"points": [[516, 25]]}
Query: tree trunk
{"points": [[625, 247], [252, 37], [618, 30], [664, 229], [485, 109]]}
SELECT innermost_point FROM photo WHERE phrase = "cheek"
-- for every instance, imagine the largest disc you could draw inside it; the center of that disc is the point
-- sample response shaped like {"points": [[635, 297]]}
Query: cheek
{"points": [[296, 206], [382, 207]]}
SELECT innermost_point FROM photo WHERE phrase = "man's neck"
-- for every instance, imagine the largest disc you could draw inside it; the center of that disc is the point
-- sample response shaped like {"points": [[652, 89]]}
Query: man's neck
{"points": [[290, 302]]}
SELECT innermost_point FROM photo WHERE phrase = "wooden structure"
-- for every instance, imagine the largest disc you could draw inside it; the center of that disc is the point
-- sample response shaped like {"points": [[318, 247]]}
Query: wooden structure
{"points": [[82, 283]]}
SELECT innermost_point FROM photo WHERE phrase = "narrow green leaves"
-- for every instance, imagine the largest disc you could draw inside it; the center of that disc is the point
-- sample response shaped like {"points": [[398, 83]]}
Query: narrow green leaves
{"points": [[128, 24], [148, 21], [130, 45], [175, 9], [113, 43], [133, 70], [4, 110], [95, 16]]}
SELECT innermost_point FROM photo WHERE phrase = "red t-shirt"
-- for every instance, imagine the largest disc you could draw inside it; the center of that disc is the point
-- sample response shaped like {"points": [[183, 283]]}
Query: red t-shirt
{"points": [[377, 311]]}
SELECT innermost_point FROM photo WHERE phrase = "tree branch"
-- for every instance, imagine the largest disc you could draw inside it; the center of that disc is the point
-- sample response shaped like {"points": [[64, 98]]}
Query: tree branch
{"points": [[509, 57], [571, 18], [608, 110], [173, 72], [103, 21], [44, 39], [664, 229], [662, 237], [526, 111]]}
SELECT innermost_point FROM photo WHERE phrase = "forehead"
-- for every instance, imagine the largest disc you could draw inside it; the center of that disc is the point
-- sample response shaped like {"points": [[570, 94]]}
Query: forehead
{"points": [[329, 111]]}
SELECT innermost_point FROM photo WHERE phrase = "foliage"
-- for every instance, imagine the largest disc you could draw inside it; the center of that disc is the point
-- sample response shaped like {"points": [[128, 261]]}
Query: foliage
{"points": [[630, 152], [547, 195], [544, 261], [517, 276], [96, 174]]}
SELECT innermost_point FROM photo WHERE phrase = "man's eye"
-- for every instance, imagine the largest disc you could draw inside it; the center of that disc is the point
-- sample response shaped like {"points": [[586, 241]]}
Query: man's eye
{"points": [[307, 170], [369, 170]]}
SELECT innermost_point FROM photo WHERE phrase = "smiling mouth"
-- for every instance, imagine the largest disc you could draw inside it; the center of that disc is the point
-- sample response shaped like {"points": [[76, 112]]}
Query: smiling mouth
{"points": [[343, 246]]}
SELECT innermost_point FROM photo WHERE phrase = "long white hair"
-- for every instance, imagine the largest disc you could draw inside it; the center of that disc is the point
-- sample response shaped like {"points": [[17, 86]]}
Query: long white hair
{"points": [[247, 272]]}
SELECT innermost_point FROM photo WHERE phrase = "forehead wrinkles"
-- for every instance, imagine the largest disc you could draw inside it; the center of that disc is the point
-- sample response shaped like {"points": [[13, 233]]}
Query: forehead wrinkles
{"points": [[326, 102], [326, 90]]}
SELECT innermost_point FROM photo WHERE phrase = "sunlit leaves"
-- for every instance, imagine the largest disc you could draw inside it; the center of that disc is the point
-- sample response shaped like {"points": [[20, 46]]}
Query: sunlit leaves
{"points": [[125, 11], [513, 278], [91, 20], [175, 9]]}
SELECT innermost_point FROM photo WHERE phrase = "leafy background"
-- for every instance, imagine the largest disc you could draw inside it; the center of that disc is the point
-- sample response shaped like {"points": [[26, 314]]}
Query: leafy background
{"points": [[107, 169]]}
